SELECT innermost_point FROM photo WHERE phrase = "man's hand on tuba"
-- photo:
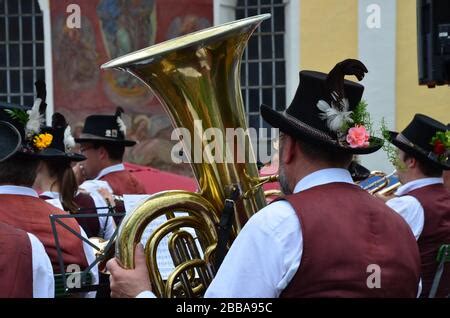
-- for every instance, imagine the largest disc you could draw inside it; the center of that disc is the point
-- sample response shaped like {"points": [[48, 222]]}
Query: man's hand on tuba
{"points": [[128, 283]]}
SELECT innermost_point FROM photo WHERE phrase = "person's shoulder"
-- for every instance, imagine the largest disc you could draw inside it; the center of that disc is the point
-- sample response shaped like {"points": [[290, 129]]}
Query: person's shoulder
{"points": [[48, 207], [276, 215], [403, 202]]}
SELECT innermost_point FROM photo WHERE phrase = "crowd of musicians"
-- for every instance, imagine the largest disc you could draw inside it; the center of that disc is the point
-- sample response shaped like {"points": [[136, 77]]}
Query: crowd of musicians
{"points": [[319, 239]]}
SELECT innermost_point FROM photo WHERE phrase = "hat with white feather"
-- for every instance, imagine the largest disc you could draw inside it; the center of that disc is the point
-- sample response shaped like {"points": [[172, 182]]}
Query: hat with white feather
{"points": [[29, 123], [327, 110], [105, 129]]}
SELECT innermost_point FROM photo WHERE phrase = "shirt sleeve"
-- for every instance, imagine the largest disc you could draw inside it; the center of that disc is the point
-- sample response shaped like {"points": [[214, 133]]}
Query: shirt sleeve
{"points": [[106, 223], [263, 258], [411, 211], [146, 294], [43, 279]]}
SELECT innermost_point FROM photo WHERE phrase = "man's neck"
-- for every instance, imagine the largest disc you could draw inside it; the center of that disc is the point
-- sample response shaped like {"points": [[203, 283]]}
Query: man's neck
{"points": [[412, 175], [304, 169], [109, 164]]}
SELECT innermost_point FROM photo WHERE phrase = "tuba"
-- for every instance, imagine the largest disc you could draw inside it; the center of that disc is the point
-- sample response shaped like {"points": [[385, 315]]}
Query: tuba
{"points": [[196, 77]]}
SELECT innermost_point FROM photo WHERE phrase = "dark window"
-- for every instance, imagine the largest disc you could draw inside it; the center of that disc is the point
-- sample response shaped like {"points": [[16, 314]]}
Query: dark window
{"points": [[263, 74], [21, 50]]}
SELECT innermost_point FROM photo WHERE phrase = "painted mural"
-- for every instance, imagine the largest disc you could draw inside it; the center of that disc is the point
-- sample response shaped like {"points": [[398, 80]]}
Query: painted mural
{"points": [[109, 29]]}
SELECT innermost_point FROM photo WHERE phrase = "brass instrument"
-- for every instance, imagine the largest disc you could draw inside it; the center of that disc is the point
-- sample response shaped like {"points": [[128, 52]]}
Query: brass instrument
{"points": [[102, 251], [382, 184], [195, 77]]}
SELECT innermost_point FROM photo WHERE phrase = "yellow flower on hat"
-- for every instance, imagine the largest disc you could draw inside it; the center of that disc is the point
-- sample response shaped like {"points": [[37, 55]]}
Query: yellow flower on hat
{"points": [[42, 141]]}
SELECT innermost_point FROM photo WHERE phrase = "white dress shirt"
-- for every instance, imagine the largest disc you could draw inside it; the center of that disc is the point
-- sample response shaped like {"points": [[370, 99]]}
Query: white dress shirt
{"points": [[43, 279], [88, 251], [267, 252], [409, 207]]}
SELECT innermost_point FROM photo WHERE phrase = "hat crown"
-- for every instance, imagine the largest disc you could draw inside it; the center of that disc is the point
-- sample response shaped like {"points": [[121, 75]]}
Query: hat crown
{"points": [[103, 126], [312, 88], [421, 130]]}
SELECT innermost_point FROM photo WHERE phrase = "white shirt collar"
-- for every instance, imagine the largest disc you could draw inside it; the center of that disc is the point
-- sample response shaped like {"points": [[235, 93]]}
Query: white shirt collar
{"points": [[416, 184], [51, 194], [114, 168], [18, 190], [323, 176]]}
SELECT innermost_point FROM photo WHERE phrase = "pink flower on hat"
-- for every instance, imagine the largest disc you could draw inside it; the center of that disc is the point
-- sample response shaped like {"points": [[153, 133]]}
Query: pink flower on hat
{"points": [[358, 137]]}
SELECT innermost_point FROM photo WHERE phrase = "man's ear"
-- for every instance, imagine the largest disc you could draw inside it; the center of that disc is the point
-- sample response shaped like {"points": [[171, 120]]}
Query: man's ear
{"points": [[411, 162], [288, 149], [102, 154]]}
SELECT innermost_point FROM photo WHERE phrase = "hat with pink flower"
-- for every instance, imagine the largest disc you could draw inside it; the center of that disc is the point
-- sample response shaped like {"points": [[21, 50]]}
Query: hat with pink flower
{"points": [[328, 110]]}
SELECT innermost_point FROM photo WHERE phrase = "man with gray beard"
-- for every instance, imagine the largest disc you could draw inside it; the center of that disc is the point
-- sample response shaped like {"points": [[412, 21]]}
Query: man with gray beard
{"points": [[327, 237]]}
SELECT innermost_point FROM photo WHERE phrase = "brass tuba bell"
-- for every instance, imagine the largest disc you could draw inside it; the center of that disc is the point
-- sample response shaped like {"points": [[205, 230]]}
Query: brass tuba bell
{"points": [[196, 77]]}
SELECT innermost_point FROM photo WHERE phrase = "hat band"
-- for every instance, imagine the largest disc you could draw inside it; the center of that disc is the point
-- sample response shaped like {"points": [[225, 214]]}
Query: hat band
{"points": [[311, 130], [429, 154], [97, 137]]}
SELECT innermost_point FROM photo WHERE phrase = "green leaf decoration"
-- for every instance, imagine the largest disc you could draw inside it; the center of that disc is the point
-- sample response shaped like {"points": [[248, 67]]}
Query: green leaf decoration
{"points": [[18, 114]]}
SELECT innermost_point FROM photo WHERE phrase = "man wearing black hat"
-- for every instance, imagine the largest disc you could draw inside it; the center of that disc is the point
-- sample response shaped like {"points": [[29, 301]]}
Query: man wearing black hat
{"points": [[20, 205], [422, 200], [25, 269], [103, 144], [327, 237]]}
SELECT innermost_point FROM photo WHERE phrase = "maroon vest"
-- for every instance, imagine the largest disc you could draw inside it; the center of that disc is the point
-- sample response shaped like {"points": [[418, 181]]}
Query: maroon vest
{"points": [[33, 215], [86, 204], [344, 231], [123, 182], [16, 269], [435, 200]]}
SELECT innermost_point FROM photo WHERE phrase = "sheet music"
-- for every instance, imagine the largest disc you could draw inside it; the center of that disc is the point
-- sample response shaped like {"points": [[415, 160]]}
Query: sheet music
{"points": [[164, 259]]}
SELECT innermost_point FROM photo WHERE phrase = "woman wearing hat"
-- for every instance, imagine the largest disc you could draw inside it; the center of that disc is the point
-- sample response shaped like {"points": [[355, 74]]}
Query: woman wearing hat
{"points": [[32, 273], [422, 200], [327, 237], [20, 205], [57, 183]]}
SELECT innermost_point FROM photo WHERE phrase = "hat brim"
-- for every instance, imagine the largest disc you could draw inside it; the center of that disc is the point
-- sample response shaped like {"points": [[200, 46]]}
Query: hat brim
{"points": [[415, 153], [10, 140], [52, 153], [302, 131], [104, 140]]}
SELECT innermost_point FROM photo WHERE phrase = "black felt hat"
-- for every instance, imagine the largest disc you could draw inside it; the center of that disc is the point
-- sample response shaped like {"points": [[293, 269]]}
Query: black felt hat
{"points": [[416, 140], [62, 141], [27, 120], [105, 129], [10, 140], [321, 110]]}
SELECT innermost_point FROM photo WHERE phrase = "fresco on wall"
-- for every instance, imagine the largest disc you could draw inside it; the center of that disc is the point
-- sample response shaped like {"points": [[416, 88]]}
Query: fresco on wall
{"points": [[111, 28]]}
